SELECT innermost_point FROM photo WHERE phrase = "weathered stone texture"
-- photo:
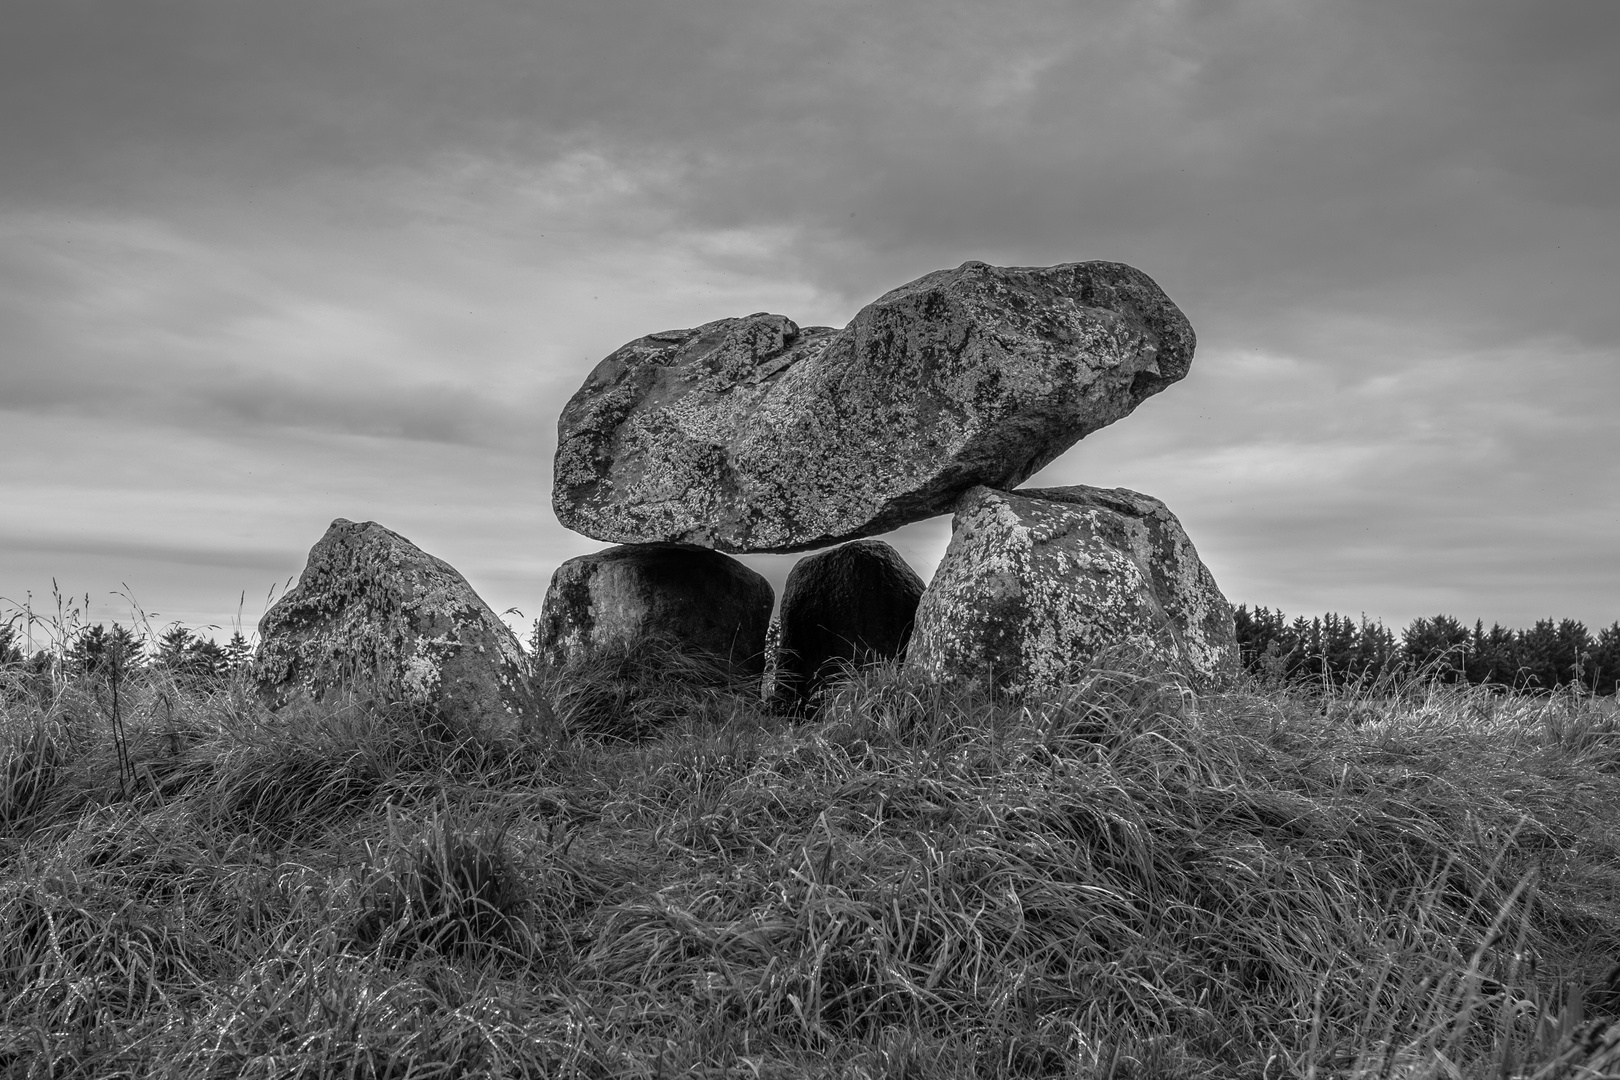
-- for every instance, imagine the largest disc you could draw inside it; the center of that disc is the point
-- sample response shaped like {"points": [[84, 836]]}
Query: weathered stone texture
{"points": [[1035, 583], [853, 604], [755, 434], [696, 599], [374, 612]]}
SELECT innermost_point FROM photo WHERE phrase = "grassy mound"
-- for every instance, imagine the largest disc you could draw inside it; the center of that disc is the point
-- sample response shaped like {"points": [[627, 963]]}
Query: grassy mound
{"points": [[1123, 880]]}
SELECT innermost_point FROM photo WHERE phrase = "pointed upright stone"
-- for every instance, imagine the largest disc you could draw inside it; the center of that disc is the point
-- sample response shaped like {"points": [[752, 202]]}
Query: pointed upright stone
{"points": [[374, 612]]}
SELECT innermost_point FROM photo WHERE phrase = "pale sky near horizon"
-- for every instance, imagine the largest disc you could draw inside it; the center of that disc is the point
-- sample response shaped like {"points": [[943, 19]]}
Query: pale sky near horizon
{"points": [[263, 265]]}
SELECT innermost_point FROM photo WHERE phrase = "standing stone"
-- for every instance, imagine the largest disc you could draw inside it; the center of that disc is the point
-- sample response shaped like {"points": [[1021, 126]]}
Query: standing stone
{"points": [[375, 613], [696, 599], [1035, 583], [854, 604], [755, 434]]}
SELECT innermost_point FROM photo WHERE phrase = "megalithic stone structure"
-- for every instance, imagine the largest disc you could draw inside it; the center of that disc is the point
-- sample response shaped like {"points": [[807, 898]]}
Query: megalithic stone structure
{"points": [[755, 434]]}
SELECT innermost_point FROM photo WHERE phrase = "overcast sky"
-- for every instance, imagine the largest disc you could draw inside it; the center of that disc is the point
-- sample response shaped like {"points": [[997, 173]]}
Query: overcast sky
{"points": [[267, 264]]}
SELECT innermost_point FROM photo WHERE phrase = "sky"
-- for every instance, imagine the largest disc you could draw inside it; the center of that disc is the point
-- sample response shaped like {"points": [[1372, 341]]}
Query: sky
{"points": [[264, 265]]}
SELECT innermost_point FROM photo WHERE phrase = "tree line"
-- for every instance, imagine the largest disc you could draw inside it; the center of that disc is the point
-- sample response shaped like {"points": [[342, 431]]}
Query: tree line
{"points": [[1331, 648], [1339, 650], [100, 650]]}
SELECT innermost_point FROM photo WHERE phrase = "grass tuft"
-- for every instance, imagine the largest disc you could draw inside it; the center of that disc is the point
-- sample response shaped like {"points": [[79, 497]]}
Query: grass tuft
{"points": [[30, 757], [454, 890], [628, 694]]}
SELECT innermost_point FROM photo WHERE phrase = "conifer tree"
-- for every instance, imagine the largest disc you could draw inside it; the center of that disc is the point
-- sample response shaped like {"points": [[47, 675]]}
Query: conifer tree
{"points": [[173, 646], [206, 661], [1438, 645], [97, 649], [1537, 657], [238, 653], [1572, 653]]}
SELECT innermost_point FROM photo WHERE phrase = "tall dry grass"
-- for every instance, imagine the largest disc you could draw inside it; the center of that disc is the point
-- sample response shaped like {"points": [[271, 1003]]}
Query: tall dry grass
{"points": [[1122, 880]]}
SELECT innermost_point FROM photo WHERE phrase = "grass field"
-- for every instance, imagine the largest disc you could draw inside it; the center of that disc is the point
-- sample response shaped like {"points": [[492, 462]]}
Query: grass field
{"points": [[1124, 880]]}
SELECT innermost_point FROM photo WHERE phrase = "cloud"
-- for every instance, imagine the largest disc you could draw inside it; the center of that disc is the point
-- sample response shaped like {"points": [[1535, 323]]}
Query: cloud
{"points": [[1248, 153], [1477, 483], [356, 241], [172, 391], [451, 332]]}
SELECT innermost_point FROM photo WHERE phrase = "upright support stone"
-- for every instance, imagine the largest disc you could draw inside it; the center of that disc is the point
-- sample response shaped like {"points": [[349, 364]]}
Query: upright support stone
{"points": [[696, 599], [1034, 583], [375, 613], [851, 605]]}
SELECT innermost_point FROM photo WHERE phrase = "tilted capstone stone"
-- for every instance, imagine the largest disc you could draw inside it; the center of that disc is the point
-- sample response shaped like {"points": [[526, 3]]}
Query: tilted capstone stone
{"points": [[693, 599], [1035, 583], [374, 613], [754, 434], [851, 605]]}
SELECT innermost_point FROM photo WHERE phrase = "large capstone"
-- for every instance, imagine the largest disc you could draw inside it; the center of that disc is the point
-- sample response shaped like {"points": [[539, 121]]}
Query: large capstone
{"points": [[1035, 583], [376, 614], [848, 607], [755, 434], [693, 599]]}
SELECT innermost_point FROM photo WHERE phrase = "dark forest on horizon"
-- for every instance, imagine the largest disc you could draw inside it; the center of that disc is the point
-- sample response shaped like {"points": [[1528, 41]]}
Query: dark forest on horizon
{"points": [[1337, 649], [1332, 649]]}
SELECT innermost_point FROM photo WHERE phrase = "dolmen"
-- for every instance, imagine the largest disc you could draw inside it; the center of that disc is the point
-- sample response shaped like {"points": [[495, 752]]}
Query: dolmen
{"points": [[374, 614], [754, 434]]}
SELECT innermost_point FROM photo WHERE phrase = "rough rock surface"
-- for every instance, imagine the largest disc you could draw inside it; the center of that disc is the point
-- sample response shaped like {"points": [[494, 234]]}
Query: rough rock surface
{"points": [[755, 434], [374, 612], [1035, 582], [693, 597], [854, 604]]}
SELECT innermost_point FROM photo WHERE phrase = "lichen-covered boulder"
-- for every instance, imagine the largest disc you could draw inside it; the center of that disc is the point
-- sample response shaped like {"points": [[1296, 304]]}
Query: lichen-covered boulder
{"points": [[851, 605], [755, 434], [373, 612], [691, 598], [1034, 583]]}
